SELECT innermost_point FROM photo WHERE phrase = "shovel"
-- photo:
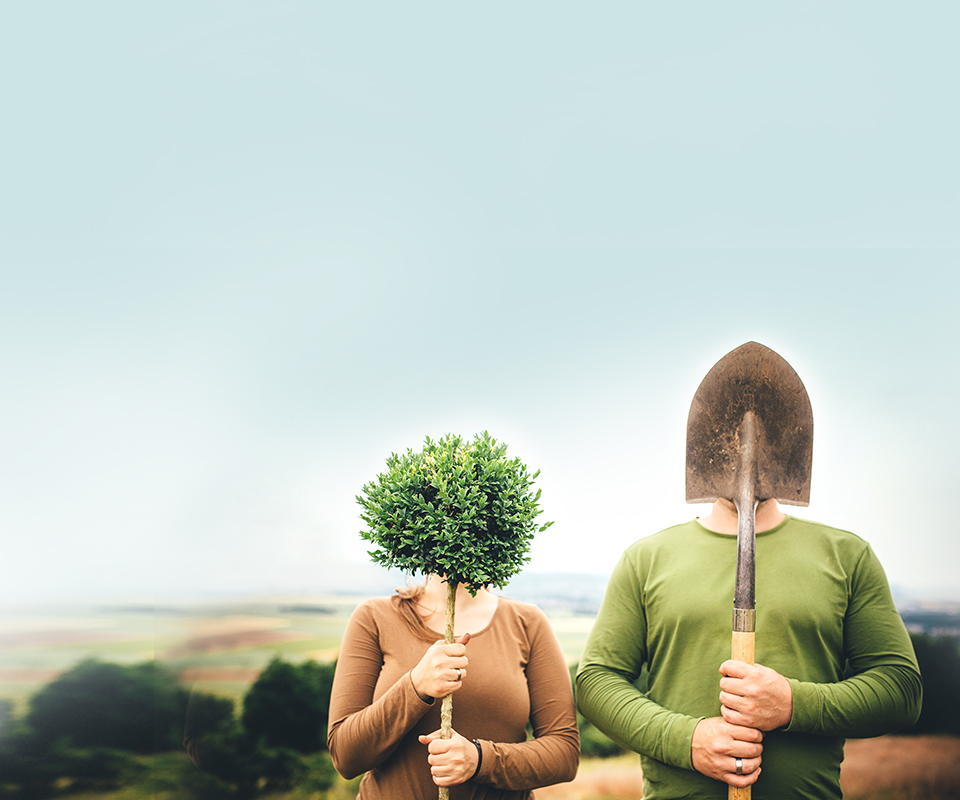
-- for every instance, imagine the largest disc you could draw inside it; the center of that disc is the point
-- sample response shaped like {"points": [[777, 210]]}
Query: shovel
{"points": [[749, 438]]}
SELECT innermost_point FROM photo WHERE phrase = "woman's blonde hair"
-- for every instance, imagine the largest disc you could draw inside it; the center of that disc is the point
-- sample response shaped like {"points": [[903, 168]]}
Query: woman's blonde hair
{"points": [[406, 602]]}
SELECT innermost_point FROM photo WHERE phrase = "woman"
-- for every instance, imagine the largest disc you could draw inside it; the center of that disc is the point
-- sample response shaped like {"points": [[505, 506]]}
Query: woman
{"points": [[506, 668]]}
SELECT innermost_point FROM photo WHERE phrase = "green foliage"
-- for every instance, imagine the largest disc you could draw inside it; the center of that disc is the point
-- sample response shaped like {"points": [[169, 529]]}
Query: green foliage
{"points": [[171, 776], [459, 509], [207, 713], [95, 704], [287, 705], [939, 661], [81, 733], [249, 765], [33, 767], [6, 719]]}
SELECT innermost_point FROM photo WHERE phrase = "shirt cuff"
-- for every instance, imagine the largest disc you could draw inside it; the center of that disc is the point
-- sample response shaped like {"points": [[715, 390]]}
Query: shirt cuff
{"points": [[413, 690], [807, 708], [682, 733], [486, 762]]}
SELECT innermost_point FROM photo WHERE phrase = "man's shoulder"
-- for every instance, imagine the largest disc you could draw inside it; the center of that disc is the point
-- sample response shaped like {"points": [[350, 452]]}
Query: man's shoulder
{"points": [[808, 527], [668, 537]]}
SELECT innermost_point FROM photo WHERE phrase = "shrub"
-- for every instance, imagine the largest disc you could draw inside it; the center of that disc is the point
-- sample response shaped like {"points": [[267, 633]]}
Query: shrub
{"points": [[287, 706], [95, 704], [458, 509]]}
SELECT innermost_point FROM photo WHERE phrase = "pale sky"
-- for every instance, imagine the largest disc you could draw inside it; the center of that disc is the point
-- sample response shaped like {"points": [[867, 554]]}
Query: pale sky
{"points": [[249, 249]]}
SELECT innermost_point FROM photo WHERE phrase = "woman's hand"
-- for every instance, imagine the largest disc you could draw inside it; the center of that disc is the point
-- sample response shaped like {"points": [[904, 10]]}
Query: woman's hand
{"points": [[452, 761], [441, 670]]}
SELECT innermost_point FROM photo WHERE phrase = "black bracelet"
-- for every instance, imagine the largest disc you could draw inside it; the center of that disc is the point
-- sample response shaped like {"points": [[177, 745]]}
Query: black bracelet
{"points": [[479, 759]]}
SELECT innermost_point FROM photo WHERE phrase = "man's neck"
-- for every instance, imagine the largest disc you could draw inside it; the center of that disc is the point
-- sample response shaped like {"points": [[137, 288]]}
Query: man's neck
{"points": [[723, 517]]}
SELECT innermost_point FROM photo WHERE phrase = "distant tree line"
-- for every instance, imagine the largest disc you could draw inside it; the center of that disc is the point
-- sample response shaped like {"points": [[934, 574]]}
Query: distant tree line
{"points": [[100, 726], [939, 659]]}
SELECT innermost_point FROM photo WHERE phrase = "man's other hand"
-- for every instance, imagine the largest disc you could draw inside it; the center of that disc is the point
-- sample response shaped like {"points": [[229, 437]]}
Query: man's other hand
{"points": [[718, 746], [755, 696]]}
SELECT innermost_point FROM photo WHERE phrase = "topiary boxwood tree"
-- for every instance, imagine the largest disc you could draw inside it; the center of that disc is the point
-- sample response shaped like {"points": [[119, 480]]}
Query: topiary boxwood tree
{"points": [[461, 510]]}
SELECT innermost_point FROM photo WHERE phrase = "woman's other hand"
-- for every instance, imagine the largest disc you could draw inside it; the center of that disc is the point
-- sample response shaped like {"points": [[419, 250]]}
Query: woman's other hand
{"points": [[441, 670], [452, 761]]}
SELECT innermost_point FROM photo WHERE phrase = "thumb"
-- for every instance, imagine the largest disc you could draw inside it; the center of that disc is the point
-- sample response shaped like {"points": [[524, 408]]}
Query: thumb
{"points": [[427, 738], [464, 639]]}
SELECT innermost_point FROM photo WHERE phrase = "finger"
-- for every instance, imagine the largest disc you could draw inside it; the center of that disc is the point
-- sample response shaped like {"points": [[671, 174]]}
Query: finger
{"points": [[464, 639], [744, 751], [440, 746], [744, 733], [748, 765], [730, 699], [730, 715], [737, 702], [741, 781], [737, 686], [737, 718], [735, 669]]}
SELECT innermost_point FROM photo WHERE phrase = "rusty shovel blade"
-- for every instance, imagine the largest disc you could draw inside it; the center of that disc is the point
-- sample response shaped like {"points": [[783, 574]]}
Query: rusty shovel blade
{"points": [[752, 378], [749, 438]]}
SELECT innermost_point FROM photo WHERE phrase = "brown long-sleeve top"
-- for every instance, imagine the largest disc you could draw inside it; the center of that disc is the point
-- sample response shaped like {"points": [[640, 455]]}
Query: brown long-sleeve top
{"points": [[517, 674]]}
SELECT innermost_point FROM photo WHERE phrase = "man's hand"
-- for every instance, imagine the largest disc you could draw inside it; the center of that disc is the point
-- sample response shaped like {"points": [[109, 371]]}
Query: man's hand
{"points": [[755, 696], [452, 761], [716, 747]]}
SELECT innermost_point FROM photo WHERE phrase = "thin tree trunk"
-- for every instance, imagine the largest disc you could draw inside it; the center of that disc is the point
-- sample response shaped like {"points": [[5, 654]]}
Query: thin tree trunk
{"points": [[446, 705]]}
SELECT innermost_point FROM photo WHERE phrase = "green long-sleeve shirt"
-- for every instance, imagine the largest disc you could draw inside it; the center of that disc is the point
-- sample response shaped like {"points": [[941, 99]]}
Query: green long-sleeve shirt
{"points": [[823, 610]]}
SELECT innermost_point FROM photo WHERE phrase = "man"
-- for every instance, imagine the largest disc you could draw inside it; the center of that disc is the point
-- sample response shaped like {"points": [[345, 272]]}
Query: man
{"points": [[833, 658]]}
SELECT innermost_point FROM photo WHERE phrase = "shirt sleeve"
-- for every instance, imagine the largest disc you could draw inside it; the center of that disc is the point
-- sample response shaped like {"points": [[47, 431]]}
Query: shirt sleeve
{"points": [[613, 657], [884, 691], [363, 733], [553, 755]]}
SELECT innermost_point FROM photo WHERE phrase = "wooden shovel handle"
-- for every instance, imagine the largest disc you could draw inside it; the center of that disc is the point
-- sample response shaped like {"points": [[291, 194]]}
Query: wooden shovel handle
{"points": [[742, 650]]}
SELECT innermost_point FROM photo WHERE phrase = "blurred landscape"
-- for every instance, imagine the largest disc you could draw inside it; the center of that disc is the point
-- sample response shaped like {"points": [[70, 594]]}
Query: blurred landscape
{"points": [[227, 650]]}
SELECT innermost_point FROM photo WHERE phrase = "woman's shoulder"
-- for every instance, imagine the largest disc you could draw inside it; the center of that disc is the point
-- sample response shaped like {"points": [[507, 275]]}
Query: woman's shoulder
{"points": [[376, 608], [393, 613], [528, 614]]}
